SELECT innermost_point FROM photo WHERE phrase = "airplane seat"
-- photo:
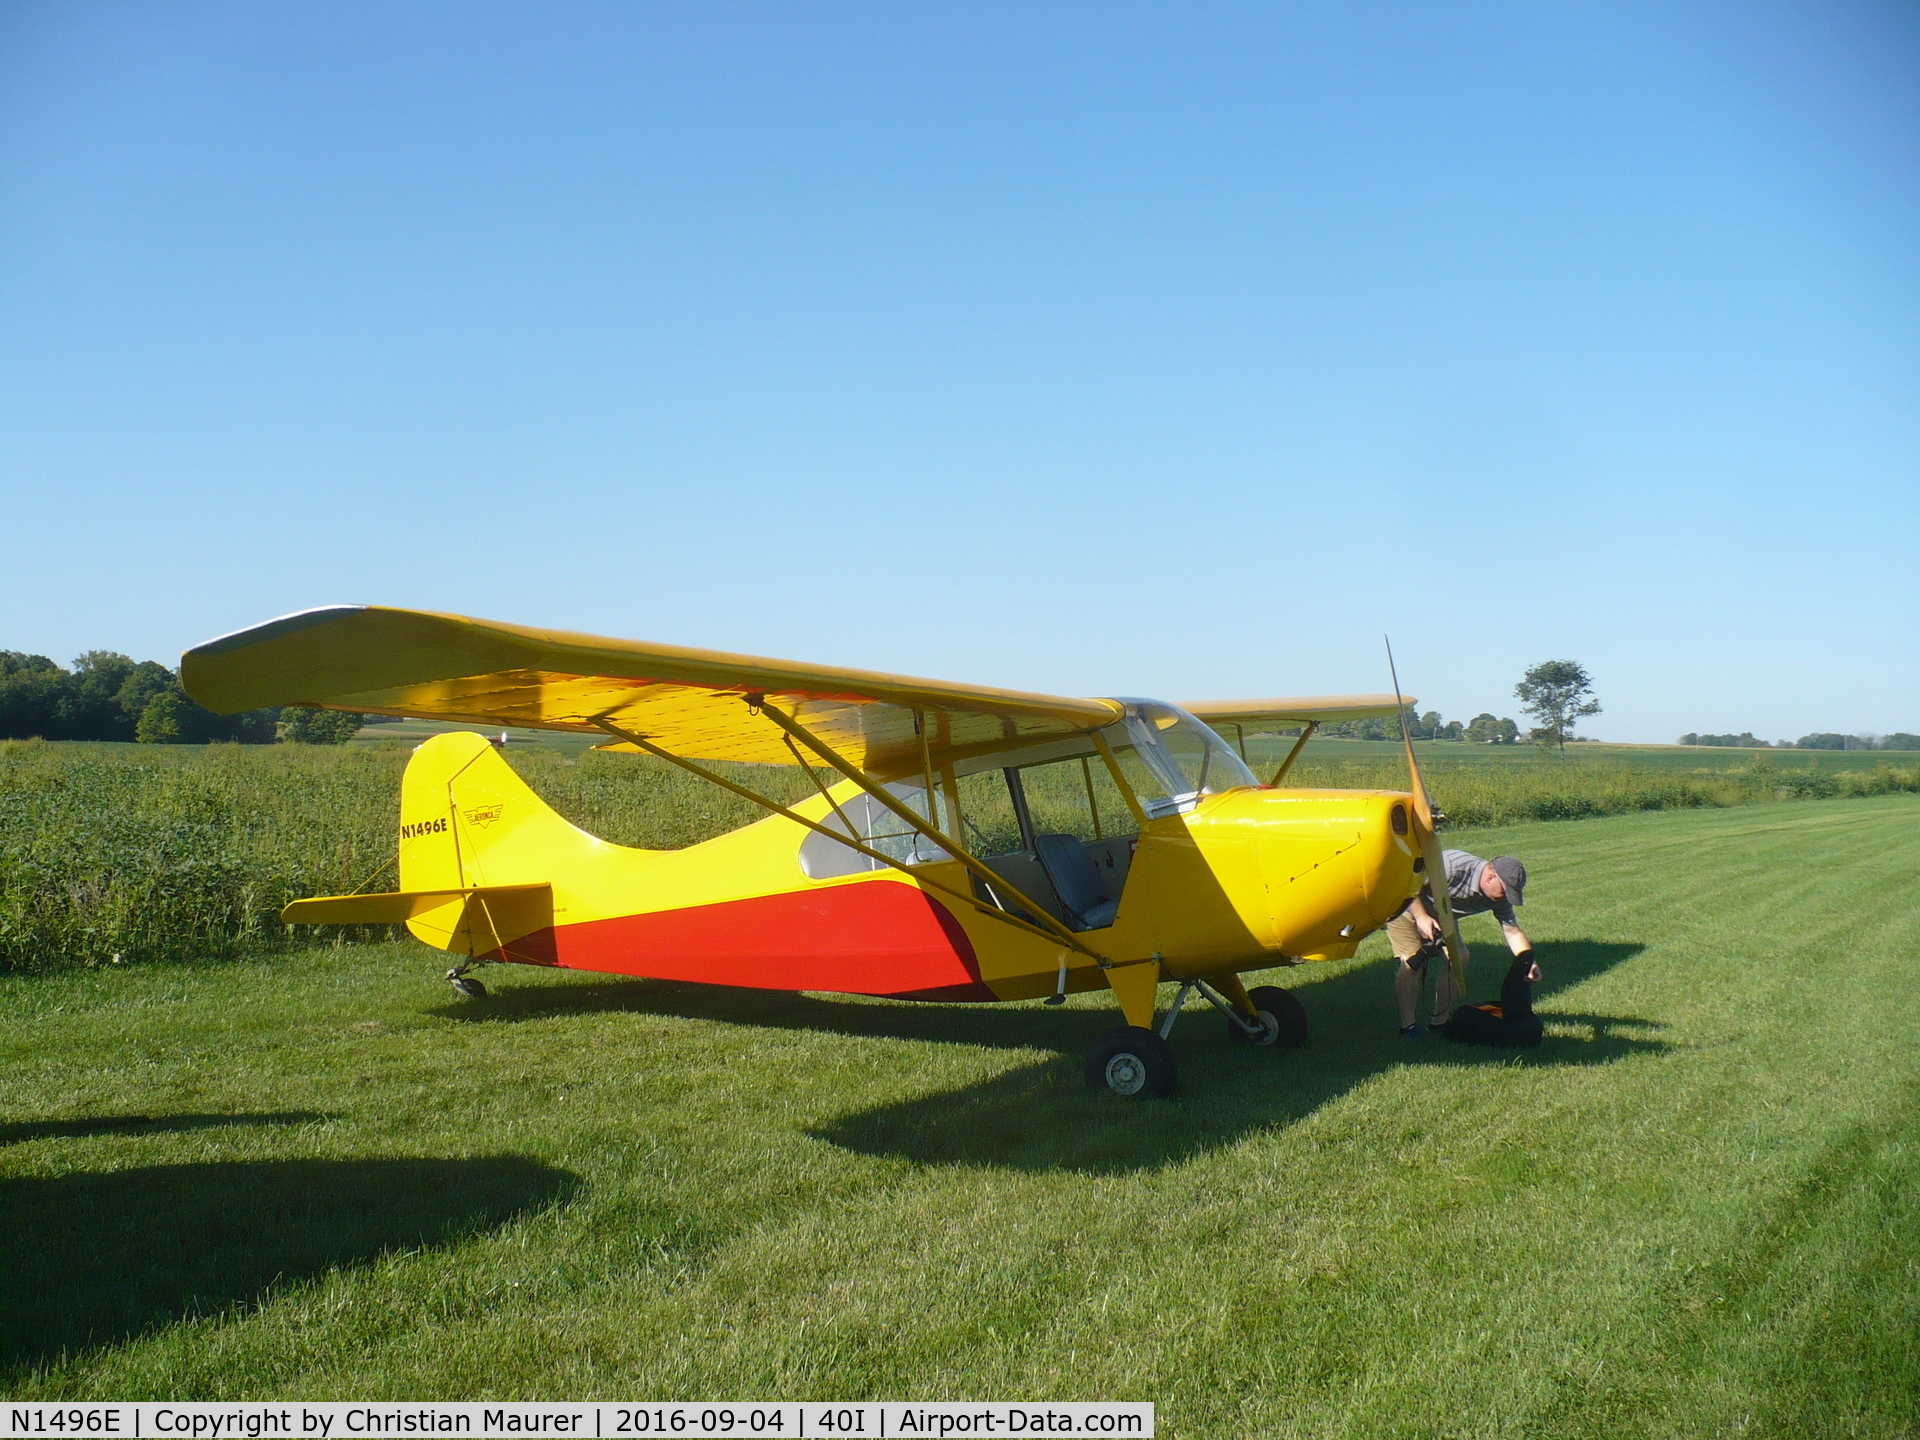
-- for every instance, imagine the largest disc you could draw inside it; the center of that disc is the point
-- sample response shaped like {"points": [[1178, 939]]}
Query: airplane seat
{"points": [[1076, 880]]}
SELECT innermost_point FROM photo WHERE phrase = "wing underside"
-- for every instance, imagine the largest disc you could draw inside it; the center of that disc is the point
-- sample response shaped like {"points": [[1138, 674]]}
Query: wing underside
{"points": [[701, 704], [1293, 711]]}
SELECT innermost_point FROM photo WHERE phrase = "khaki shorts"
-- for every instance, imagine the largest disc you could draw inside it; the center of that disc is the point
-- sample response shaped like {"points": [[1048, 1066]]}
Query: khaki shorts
{"points": [[1405, 935]]}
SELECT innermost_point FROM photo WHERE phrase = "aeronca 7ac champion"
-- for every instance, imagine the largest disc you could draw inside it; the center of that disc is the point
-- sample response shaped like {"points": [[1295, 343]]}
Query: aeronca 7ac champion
{"points": [[973, 844]]}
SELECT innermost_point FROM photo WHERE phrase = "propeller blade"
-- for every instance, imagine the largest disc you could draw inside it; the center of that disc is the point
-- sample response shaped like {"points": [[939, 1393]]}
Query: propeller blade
{"points": [[1427, 821]]}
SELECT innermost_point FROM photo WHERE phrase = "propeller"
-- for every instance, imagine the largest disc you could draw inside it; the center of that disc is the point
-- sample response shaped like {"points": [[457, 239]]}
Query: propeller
{"points": [[1426, 828]]}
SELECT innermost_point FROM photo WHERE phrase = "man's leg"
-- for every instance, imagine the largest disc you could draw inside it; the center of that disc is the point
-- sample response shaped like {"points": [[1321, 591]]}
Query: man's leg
{"points": [[1443, 994], [1406, 980]]}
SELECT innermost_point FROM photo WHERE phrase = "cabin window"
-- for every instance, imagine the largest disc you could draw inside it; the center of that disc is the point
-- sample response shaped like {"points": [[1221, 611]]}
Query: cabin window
{"points": [[824, 858], [1077, 798], [988, 815]]}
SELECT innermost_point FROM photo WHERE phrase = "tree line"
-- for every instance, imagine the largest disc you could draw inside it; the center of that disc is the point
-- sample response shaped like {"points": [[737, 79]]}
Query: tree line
{"points": [[109, 696], [1557, 693], [1483, 729], [1824, 740]]}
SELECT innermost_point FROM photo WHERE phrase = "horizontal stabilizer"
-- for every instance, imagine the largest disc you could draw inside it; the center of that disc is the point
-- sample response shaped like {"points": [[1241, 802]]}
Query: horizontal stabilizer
{"points": [[391, 909]]}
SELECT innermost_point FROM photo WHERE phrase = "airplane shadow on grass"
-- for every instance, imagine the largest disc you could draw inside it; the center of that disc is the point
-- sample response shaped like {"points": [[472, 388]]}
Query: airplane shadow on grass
{"points": [[100, 1257], [1042, 1116]]}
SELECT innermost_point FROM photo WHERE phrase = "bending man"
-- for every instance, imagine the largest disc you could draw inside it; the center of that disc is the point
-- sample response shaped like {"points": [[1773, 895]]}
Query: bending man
{"points": [[1474, 886]]}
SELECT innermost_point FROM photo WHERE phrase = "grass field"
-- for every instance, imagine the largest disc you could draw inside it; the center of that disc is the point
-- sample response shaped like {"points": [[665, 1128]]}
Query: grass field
{"points": [[1696, 1210]]}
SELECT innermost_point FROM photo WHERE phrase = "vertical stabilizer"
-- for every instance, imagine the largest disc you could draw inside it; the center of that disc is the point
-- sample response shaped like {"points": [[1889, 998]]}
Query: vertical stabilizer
{"points": [[468, 822]]}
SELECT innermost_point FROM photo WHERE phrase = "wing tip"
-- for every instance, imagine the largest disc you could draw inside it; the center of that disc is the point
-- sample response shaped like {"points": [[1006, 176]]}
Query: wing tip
{"points": [[273, 629]]}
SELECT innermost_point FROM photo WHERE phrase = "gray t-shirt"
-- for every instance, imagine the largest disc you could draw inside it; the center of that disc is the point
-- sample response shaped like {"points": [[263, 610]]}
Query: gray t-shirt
{"points": [[1463, 888]]}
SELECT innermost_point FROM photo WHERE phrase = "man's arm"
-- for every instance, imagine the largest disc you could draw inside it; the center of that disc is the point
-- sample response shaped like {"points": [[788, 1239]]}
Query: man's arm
{"points": [[1517, 940]]}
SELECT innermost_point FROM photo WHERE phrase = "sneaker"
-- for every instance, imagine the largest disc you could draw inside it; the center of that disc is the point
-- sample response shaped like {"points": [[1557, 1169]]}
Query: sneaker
{"points": [[1440, 1022], [1413, 1032]]}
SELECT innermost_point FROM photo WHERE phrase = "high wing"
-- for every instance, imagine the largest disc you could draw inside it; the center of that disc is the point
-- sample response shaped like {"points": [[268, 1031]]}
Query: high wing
{"points": [[700, 704], [1295, 710]]}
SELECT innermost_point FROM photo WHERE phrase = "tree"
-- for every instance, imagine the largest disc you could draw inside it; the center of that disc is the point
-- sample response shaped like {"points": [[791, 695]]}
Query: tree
{"points": [[1556, 693], [107, 696], [302, 726], [1824, 741], [30, 691], [164, 719], [146, 680], [91, 707]]}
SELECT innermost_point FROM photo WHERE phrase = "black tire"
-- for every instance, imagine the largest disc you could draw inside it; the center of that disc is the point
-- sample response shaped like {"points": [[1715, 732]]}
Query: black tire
{"points": [[1134, 1064], [1282, 1013], [468, 987]]}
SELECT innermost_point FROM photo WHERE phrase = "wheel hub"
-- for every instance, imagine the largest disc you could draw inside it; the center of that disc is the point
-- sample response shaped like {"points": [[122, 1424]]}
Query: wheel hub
{"points": [[1126, 1074]]}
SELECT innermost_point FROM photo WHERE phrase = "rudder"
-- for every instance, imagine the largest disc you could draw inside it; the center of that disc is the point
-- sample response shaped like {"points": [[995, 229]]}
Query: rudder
{"points": [[468, 821]]}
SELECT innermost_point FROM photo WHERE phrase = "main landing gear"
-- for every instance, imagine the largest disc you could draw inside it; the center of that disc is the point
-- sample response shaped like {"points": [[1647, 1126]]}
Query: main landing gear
{"points": [[1137, 1063]]}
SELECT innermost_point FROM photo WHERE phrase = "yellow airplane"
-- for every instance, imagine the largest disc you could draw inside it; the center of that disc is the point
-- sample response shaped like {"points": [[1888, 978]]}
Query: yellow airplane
{"points": [[976, 844]]}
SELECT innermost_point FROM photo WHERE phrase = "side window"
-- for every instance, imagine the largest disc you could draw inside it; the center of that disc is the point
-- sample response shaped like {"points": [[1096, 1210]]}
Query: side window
{"points": [[1077, 798], [824, 858], [987, 815]]}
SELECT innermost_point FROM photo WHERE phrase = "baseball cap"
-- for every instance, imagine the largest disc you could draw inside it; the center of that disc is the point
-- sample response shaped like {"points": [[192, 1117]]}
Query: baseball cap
{"points": [[1512, 874]]}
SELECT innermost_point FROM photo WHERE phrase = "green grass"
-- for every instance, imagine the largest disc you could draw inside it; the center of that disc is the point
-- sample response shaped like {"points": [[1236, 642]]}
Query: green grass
{"points": [[1693, 1211]]}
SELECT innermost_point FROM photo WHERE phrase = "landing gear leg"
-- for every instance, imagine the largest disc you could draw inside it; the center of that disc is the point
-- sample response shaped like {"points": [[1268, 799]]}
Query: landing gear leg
{"points": [[1283, 1019]]}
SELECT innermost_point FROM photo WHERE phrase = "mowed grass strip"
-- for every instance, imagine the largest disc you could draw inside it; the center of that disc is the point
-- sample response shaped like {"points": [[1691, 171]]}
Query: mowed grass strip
{"points": [[1691, 1212]]}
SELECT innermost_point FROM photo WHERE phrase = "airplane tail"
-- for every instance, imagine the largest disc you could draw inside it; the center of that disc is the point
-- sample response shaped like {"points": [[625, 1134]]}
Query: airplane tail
{"points": [[478, 853]]}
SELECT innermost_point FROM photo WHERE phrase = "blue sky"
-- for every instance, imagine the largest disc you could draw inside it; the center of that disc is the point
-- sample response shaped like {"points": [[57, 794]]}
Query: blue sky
{"points": [[1094, 349]]}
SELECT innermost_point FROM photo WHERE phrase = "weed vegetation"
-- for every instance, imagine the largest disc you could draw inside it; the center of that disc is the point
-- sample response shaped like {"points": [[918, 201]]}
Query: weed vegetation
{"points": [[114, 854], [118, 854], [1694, 1211]]}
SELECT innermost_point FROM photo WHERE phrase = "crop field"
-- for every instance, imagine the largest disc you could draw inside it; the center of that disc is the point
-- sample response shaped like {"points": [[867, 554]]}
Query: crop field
{"points": [[118, 854], [1695, 1210]]}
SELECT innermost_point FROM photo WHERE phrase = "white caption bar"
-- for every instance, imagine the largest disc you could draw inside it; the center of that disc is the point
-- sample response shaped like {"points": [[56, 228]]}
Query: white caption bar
{"points": [[406, 1420]]}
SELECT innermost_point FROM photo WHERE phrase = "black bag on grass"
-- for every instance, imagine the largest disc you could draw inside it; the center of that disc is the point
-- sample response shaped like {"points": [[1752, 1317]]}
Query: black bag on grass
{"points": [[1510, 1022]]}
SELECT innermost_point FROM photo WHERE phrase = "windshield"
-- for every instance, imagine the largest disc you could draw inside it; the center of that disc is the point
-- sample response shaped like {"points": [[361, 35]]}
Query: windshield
{"points": [[1171, 759]]}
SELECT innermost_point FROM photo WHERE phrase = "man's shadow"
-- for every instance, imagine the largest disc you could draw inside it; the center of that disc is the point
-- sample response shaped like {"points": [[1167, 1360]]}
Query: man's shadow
{"points": [[1041, 1115], [98, 1257]]}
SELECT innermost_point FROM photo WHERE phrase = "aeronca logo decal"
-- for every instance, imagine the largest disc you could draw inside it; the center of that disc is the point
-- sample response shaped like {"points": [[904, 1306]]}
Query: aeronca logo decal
{"points": [[483, 815]]}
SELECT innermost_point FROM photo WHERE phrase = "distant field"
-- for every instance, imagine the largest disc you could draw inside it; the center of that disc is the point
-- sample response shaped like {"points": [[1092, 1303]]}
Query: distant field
{"points": [[412, 732], [1700, 758], [148, 852], [1695, 1211]]}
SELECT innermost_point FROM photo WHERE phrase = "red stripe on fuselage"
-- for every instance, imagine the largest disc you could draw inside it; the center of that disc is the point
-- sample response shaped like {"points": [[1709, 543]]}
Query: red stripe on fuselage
{"points": [[876, 937]]}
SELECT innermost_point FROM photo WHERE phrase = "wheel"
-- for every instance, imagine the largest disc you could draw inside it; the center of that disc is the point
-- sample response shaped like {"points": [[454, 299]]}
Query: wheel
{"points": [[1134, 1064], [1281, 1012], [466, 985]]}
